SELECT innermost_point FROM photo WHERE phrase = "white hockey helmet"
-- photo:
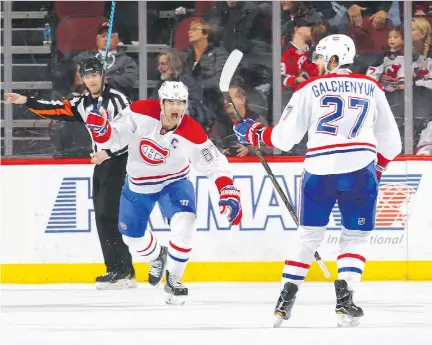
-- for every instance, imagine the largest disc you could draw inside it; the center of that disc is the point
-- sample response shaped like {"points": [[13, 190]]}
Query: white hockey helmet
{"points": [[173, 90], [341, 46]]}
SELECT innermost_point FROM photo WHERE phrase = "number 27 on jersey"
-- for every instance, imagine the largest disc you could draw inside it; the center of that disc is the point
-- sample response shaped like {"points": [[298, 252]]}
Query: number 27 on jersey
{"points": [[325, 123]]}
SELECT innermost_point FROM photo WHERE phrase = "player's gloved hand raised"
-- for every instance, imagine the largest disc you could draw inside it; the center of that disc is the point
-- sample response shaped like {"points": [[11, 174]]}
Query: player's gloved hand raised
{"points": [[99, 125], [97, 121], [229, 203], [249, 132]]}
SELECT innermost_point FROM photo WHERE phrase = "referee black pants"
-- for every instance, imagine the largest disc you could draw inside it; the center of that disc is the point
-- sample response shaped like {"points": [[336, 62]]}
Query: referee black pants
{"points": [[108, 180]]}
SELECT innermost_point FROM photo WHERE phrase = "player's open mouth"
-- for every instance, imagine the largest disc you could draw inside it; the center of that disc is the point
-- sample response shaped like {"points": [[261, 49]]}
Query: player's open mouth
{"points": [[174, 116]]}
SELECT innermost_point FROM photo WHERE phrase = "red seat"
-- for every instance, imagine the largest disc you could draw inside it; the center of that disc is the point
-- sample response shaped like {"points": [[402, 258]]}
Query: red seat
{"points": [[368, 39], [77, 33], [201, 7], [65, 9], [181, 38]]}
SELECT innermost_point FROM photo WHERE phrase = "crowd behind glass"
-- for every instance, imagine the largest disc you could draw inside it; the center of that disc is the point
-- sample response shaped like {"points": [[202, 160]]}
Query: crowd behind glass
{"points": [[199, 37]]}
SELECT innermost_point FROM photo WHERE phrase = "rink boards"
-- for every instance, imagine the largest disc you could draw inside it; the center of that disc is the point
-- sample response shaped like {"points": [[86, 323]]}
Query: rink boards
{"points": [[49, 234]]}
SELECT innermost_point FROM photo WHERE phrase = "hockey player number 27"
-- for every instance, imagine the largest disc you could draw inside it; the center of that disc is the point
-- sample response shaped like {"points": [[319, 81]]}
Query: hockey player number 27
{"points": [[324, 124]]}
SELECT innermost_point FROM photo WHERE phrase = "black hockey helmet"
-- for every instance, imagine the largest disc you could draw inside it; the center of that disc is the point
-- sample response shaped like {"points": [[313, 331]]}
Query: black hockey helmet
{"points": [[92, 65]]}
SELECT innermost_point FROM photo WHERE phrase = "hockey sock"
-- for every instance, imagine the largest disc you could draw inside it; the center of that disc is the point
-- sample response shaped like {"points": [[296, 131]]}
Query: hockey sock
{"points": [[351, 260], [179, 248], [302, 255], [146, 246]]}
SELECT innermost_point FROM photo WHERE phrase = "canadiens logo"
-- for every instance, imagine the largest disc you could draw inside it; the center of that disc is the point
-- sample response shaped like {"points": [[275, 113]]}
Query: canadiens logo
{"points": [[152, 153]]}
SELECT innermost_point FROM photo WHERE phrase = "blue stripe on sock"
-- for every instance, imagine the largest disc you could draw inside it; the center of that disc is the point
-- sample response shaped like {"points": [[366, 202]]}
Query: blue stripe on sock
{"points": [[292, 276], [177, 259], [350, 269]]}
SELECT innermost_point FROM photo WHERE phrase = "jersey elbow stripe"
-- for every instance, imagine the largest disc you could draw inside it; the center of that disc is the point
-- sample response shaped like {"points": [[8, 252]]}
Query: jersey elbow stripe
{"points": [[66, 111]]}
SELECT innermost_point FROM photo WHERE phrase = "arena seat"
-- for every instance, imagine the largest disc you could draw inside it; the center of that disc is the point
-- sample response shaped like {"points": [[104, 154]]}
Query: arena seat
{"points": [[64, 9], [77, 33], [367, 38]]}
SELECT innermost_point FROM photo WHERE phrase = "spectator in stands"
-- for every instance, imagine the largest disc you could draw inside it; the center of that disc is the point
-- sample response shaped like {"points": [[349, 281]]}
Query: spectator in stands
{"points": [[422, 8], [171, 66], [422, 38], [424, 146], [422, 90], [391, 72], [340, 13], [206, 60], [295, 65], [239, 25], [291, 10], [122, 71], [286, 18], [222, 133], [377, 11], [422, 64]]}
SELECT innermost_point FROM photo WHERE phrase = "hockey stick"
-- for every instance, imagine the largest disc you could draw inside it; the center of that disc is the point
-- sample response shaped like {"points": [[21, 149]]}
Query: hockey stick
{"points": [[107, 46], [227, 73]]}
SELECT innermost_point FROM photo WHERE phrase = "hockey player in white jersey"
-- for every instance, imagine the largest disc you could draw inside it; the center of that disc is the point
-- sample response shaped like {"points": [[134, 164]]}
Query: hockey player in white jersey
{"points": [[352, 136], [163, 142]]}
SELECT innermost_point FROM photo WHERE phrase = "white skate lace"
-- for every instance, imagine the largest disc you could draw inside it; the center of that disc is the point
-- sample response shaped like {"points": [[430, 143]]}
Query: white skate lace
{"points": [[156, 268], [175, 282]]}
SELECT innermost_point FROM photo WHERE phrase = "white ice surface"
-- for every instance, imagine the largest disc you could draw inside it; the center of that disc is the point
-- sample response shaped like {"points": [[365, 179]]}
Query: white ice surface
{"points": [[396, 313]]}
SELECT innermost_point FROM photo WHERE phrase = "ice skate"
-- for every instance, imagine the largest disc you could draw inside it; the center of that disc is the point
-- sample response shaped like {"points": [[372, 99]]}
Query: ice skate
{"points": [[157, 268], [176, 290], [285, 303], [116, 281], [348, 314]]}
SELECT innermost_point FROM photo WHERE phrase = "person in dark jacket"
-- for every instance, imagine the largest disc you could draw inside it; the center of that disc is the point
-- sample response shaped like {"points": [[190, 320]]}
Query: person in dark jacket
{"points": [[239, 25], [171, 66], [222, 133], [205, 58], [122, 71]]}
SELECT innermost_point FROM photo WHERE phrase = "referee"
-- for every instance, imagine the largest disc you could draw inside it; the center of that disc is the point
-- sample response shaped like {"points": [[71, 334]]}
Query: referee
{"points": [[109, 172]]}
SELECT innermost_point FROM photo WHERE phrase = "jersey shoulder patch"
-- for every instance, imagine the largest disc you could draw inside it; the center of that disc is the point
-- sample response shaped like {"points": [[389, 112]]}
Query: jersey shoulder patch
{"points": [[149, 108], [191, 130]]}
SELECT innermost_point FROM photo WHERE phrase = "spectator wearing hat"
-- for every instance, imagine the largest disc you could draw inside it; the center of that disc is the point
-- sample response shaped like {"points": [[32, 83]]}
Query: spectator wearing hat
{"points": [[295, 65], [122, 71]]}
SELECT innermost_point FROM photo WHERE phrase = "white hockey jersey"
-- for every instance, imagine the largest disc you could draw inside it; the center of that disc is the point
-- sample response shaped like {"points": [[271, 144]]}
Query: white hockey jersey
{"points": [[393, 68], [396, 70], [155, 159], [423, 72], [348, 121]]}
